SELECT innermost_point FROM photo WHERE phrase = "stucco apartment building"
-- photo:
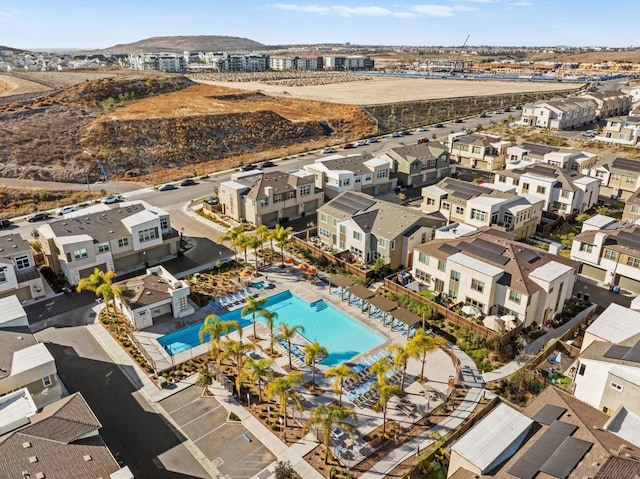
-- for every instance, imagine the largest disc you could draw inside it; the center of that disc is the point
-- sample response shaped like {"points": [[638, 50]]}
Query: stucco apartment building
{"points": [[631, 211], [621, 130], [372, 229], [496, 275], [476, 205], [619, 178], [419, 164], [563, 192], [18, 273], [610, 103], [262, 198], [528, 154], [478, 150], [121, 238], [338, 173], [560, 114], [610, 254]]}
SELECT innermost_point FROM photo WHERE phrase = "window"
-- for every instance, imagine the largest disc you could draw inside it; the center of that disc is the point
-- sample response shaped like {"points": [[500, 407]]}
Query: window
{"points": [[432, 163], [305, 190], [324, 232], [582, 369], [164, 224], [514, 296], [80, 254], [612, 255], [615, 177], [635, 209], [516, 182], [541, 189], [356, 179], [382, 243], [459, 210], [565, 194], [423, 258], [122, 242], [357, 235], [290, 195], [472, 302], [343, 229], [3, 275], [147, 235], [633, 262], [263, 202], [478, 215], [46, 381], [502, 179], [183, 303], [393, 244], [103, 247], [446, 206], [586, 247], [525, 187], [442, 265], [423, 276], [455, 276], [382, 173], [22, 262], [345, 182], [323, 217], [629, 179], [477, 285], [616, 386], [431, 202], [277, 198], [342, 245], [476, 150]]}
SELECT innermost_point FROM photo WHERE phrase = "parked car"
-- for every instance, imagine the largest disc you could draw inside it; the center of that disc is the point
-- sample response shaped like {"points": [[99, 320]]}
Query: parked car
{"points": [[498, 112], [361, 143], [5, 223], [423, 140], [66, 209], [167, 187], [423, 128], [405, 132], [326, 151], [518, 107], [373, 140], [483, 115], [458, 120], [267, 164], [188, 182], [38, 217], [439, 125], [347, 146], [396, 134], [248, 167], [107, 200], [507, 109], [212, 200]]}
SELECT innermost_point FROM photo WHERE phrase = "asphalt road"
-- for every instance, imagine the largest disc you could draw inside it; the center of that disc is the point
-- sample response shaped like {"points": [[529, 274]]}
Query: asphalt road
{"points": [[131, 428]]}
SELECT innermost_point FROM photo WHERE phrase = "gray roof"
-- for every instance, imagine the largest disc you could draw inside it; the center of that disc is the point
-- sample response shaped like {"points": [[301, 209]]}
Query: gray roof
{"points": [[13, 243], [419, 151], [538, 149], [349, 163], [280, 181], [13, 340]]}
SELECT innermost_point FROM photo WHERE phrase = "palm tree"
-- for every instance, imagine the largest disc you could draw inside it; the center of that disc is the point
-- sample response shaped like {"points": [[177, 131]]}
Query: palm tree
{"points": [[385, 392], [244, 243], [253, 306], [254, 371], [262, 233], [425, 311], [233, 236], [254, 243], [380, 368], [282, 389], [422, 344], [270, 320], [235, 350], [341, 372], [312, 353], [205, 378], [281, 235], [288, 333], [328, 418], [401, 355], [98, 282], [216, 328]]}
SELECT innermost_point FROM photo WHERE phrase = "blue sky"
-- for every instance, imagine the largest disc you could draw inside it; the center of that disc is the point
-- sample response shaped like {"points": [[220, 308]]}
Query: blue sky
{"points": [[99, 24]]}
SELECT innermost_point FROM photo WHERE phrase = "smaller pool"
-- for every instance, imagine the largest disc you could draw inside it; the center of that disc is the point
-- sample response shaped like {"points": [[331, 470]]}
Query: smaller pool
{"points": [[259, 285]]}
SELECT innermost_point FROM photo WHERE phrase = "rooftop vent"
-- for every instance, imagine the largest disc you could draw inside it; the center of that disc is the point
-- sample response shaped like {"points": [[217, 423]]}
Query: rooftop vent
{"points": [[26, 445], [40, 475], [33, 459], [9, 238], [87, 458], [19, 338]]}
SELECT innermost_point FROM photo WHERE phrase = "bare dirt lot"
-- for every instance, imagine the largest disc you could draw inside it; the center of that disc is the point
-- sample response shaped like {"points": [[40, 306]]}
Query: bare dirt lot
{"points": [[390, 90], [10, 85]]}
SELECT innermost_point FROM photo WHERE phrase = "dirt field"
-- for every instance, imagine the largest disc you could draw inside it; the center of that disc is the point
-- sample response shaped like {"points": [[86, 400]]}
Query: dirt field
{"points": [[10, 85], [391, 90]]}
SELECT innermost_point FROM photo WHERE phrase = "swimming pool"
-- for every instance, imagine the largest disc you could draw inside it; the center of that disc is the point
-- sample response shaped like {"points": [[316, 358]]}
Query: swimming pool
{"points": [[343, 336]]}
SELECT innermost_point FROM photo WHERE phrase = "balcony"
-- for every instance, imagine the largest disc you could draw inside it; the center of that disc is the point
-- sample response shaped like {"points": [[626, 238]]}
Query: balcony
{"points": [[30, 275]]}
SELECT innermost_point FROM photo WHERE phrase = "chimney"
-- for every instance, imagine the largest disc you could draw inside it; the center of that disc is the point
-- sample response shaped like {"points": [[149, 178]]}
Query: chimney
{"points": [[555, 248], [268, 190]]}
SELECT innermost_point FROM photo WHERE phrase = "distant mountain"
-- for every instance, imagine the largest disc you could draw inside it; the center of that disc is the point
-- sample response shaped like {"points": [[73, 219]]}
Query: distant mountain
{"points": [[179, 44], [19, 50]]}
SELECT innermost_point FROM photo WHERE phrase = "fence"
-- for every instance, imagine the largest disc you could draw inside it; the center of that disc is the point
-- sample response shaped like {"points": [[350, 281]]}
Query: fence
{"points": [[160, 360], [348, 267], [450, 317]]}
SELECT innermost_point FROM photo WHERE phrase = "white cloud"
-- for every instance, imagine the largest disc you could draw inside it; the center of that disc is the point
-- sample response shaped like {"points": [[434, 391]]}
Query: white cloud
{"points": [[477, 1], [404, 15], [298, 8], [7, 14], [464, 8], [521, 3], [341, 10], [433, 10]]}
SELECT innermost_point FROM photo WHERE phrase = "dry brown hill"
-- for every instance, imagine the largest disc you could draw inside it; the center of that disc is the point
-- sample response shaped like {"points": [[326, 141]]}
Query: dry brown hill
{"points": [[179, 44]]}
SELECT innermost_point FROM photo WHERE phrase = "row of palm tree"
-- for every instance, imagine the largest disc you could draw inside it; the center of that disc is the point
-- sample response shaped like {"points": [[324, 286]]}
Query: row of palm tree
{"points": [[101, 283], [238, 239]]}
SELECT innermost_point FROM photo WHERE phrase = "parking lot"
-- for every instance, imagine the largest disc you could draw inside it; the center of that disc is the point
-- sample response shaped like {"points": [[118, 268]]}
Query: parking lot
{"points": [[227, 444]]}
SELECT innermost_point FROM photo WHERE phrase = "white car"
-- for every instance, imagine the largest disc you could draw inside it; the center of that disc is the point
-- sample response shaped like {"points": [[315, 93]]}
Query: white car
{"points": [[326, 151], [108, 200], [66, 209], [361, 143]]}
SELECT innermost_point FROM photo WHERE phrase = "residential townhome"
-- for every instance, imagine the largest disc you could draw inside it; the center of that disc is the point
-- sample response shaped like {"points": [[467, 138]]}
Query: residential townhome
{"points": [[338, 173], [555, 436], [610, 255], [420, 164], [491, 272], [610, 103], [123, 237], [607, 374], [477, 205], [372, 229], [621, 130], [478, 150], [560, 114], [619, 178], [563, 192], [631, 213], [24, 362], [568, 159], [61, 441], [269, 198], [18, 273]]}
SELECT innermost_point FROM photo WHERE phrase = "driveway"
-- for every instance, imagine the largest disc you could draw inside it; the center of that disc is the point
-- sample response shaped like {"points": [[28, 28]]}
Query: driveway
{"points": [[228, 444]]}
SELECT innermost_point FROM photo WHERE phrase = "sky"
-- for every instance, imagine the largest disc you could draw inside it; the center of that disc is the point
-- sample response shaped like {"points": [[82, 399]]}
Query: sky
{"points": [[39, 24]]}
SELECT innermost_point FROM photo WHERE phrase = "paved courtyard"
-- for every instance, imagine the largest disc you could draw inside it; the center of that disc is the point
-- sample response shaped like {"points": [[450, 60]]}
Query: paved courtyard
{"points": [[227, 444]]}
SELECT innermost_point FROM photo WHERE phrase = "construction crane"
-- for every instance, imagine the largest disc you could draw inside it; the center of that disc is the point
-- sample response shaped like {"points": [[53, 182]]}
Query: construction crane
{"points": [[455, 62]]}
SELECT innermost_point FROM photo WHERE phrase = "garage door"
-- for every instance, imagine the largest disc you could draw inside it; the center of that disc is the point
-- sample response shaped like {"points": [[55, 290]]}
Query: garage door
{"points": [[127, 262], [270, 218], [158, 253], [85, 273], [629, 284], [593, 272]]}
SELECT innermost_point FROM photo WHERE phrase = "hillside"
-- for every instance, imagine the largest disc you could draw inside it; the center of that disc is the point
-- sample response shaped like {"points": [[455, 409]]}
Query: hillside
{"points": [[179, 44], [148, 128]]}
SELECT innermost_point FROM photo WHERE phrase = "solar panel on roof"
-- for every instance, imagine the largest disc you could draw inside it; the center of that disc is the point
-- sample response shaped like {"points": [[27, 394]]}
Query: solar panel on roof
{"points": [[566, 457], [528, 255], [548, 414], [448, 249], [626, 164], [529, 464], [494, 248], [616, 352], [483, 253], [630, 240], [633, 354], [538, 149], [349, 203]]}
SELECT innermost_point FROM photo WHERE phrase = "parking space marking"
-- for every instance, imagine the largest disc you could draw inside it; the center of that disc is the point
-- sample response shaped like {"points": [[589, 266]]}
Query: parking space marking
{"points": [[212, 431], [183, 406], [200, 416]]}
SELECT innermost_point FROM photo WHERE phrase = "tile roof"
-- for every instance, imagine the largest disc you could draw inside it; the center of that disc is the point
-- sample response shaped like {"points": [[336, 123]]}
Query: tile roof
{"points": [[419, 151], [623, 240], [145, 290], [13, 340], [280, 181], [618, 467]]}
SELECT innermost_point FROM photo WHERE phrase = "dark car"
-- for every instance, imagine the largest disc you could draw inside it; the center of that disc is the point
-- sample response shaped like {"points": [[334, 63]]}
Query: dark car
{"points": [[4, 223], [248, 167], [188, 182], [268, 164], [423, 140], [348, 146], [212, 200], [459, 120], [38, 217], [483, 115], [167, 187], [405, 132], [439, 125]]}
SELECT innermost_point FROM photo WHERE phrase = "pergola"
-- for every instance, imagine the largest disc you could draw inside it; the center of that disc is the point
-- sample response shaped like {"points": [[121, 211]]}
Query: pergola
{"points": [[382, 303], [361, 292], [405, 316], [340, 281]]}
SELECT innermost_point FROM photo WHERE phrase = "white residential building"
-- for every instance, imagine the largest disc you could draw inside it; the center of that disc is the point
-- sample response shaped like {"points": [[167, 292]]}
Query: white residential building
{"points": [[619, 178], [621, 130], [18, 273], [478, 150], [568, 159], [562, 114]]}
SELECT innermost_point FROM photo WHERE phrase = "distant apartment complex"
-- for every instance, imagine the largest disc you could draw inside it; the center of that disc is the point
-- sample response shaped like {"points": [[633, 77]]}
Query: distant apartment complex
{"points": [[18, 273], [621, 130], [478, 150], [562, 114], [619, 178], [421, 164], [527, 154], [610, 103]]}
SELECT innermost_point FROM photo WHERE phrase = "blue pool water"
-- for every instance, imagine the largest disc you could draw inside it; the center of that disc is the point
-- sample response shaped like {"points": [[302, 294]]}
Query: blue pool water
{"points": [[343, 336]]}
